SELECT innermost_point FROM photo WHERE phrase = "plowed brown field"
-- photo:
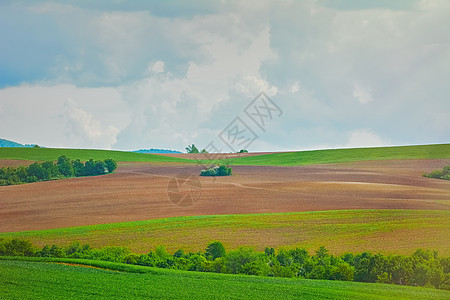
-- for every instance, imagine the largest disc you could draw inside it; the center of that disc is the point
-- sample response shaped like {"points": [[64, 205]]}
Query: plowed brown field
{"points": [[139, 191]]}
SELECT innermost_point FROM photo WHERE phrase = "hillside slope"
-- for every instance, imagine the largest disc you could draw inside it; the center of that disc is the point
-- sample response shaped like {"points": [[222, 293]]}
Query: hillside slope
{"points": [[38, 280], [42, 154], [8, 143], [300, 158]]}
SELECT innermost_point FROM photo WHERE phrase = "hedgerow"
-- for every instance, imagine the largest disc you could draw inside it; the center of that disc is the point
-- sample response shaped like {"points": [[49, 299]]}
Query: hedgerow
{"points": [[422, 268], [48, 170]]}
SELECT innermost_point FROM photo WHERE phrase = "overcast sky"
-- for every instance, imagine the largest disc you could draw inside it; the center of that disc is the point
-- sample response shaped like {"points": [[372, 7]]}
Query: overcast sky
{"points": [[164, 74]]}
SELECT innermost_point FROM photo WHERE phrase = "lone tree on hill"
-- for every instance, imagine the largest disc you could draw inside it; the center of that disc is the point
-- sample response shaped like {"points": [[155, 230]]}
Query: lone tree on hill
{"points": [[192, 149]]}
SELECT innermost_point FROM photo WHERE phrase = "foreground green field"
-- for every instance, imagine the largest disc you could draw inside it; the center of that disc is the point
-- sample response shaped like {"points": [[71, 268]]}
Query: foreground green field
{"points": [[340, 231], [345, 155], [42, 280], [52, 154]]}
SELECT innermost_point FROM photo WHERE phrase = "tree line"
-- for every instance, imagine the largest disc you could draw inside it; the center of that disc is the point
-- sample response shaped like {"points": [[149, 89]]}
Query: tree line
{"points": [[193, 149], [422, 268], [48, 170]]}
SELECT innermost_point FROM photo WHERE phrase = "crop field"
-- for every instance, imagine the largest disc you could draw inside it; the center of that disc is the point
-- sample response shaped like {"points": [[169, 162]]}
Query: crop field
{"points": [[43, 280], [441, 151], [340, 231], [345, 155], [139, 191]]}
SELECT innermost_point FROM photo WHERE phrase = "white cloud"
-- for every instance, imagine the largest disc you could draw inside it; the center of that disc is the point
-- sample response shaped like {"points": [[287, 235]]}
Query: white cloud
{"points": [[295, 87], [365, 138], [157, 67], [83, 128], [167, 106], [166, 77], [362, 94], [251, 86], [40, 114]]}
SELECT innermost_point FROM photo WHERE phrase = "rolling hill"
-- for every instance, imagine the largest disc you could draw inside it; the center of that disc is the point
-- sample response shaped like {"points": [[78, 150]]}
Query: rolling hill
{"points": [[11, 144], [301, 158], [71, 279], [43, 154]]}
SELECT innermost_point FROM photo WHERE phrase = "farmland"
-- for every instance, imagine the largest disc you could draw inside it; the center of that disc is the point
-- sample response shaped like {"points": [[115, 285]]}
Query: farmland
{"points": [[345, 155], [348, 200], [440, 151], [28, 279], [340, 231], [52, 154], [139, 191]]}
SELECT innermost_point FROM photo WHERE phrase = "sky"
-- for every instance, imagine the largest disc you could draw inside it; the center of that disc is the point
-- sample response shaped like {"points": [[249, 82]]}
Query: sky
{"points": [[225, 75]]}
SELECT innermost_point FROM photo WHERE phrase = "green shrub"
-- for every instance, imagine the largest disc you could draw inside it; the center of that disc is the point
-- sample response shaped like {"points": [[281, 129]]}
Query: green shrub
{"points": [[439, 174], [111, 164], [215, 250], [217, 171], [16, 247]]}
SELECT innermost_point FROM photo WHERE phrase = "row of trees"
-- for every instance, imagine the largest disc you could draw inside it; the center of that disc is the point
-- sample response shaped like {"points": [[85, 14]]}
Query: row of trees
{"points": [[439, 174], [193, 149], [423, 268], [49, 170]]}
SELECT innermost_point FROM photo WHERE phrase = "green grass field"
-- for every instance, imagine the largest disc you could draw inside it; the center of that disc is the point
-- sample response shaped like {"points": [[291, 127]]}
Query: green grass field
{"points": [[276, 159], [44, 280], [384, 231], [345, 155], [52, 154]]}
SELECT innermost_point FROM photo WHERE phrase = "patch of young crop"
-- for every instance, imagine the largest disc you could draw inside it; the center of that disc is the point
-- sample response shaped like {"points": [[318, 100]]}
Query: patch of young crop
{"points": [[43, 280], [385, 231], [345, 155], [52, 154]]}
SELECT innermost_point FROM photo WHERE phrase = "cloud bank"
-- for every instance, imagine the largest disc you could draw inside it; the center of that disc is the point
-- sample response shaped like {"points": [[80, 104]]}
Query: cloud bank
{"points": [[134, 74]]}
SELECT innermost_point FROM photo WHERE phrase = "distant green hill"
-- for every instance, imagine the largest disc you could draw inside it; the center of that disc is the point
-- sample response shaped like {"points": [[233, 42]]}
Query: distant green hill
{"points": [[441, 151], [156, 151], [345, 155], [52, 154], [8, 143]]}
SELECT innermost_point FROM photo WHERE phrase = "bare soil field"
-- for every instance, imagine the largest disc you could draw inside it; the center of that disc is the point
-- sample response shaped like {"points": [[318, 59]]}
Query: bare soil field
{"points": [[14, 163], [142, 191]]}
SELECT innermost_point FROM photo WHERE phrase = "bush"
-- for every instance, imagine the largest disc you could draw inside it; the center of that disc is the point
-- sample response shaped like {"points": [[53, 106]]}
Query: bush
{"points": [[235, 260], [217, 171], [215, 250], [111, 164], [65, 166], [16, 247], [439, 174]]}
